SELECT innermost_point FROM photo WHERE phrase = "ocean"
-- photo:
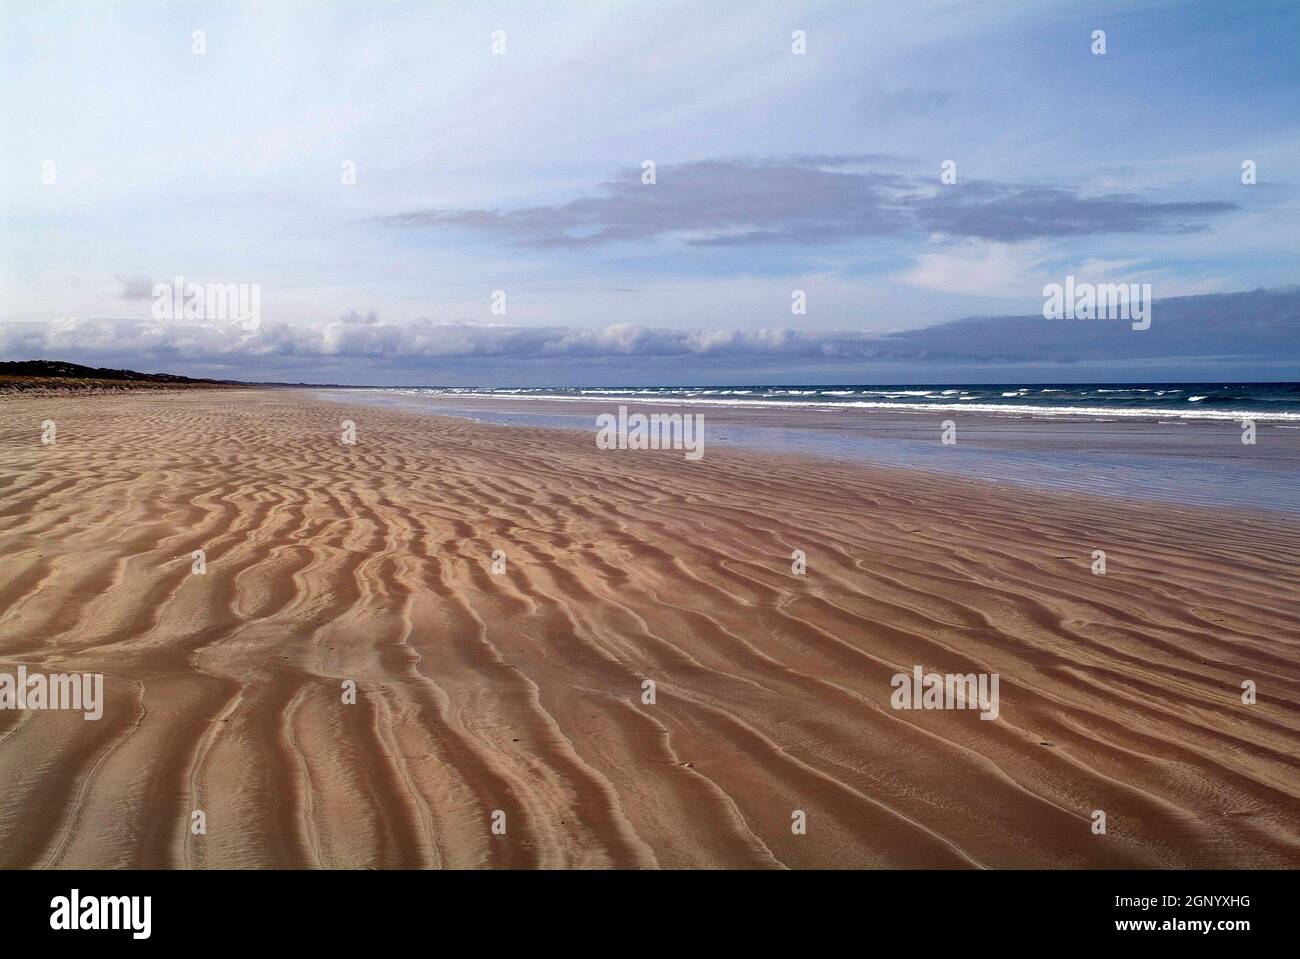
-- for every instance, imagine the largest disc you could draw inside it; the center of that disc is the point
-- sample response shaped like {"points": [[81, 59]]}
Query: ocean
{"points": [[1268, 402], [1219, 444]]}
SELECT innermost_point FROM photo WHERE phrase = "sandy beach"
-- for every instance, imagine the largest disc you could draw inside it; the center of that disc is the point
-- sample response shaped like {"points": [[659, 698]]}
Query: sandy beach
{"points": [[515, 696]]}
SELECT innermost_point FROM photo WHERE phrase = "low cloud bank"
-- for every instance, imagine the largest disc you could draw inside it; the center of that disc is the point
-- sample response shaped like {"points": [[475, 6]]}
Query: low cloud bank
{"points": [[1262, 324]]}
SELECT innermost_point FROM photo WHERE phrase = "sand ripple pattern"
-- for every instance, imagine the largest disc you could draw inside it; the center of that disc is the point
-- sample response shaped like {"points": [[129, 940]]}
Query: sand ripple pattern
{"points": [[521, 692]]}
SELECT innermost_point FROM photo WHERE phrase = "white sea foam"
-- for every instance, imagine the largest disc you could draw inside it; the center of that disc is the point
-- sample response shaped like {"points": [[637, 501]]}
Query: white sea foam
{"points": [[965, 404]]}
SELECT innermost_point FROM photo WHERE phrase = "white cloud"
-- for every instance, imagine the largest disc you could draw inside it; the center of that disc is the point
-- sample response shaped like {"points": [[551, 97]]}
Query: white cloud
{"points": [[982, 268]]}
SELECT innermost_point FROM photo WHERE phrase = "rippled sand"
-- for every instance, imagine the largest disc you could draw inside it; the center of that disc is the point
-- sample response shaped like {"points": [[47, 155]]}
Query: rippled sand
{"points": [[522, 691]]}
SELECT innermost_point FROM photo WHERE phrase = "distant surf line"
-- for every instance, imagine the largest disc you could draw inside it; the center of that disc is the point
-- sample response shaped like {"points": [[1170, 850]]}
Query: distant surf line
{"points": [[972, 406]]}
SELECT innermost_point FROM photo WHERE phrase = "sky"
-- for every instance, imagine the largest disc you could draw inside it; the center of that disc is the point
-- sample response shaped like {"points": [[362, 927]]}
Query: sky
{"points": [[456, 193]]}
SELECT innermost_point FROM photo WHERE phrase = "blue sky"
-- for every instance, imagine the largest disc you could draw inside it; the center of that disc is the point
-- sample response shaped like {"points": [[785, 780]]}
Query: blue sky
{"points": [[520, 172]]}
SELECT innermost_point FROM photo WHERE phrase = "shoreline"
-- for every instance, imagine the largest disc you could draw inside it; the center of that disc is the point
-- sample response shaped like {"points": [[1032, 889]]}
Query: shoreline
{"points": [[1203, 464], [702, 397], [522, 691]]}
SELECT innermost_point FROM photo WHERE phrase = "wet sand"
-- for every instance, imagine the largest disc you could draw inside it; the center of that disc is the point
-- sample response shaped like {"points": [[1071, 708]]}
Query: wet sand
{"points": [[521, 691], [1167, 459]]}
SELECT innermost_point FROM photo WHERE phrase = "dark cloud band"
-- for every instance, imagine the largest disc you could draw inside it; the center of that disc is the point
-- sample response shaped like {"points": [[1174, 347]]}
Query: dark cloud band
{"points": [[814, 200]]}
